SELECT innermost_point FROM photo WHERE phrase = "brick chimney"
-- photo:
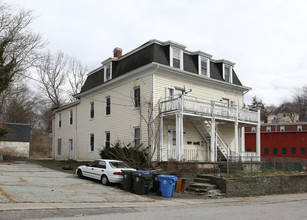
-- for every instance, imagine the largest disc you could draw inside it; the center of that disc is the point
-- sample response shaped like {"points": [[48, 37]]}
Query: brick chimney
{"points": [[117, 52]]}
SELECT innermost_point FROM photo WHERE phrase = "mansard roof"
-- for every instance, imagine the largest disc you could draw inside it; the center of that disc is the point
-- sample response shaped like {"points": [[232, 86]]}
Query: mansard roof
{"points": [[155, 51]]}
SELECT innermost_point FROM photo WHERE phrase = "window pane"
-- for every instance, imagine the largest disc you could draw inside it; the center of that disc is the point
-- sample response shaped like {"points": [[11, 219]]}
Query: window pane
{"points": [[92, 110], [204, 67], [303, 150], [137, 136], [60, 120], [137, 97], [176, 63], [70, 117], [275, 151], [91, 142], [59, 146], [227, 74], [284, 150], [176, 54], [266, 151], [293, 150], [108, 105], [107, 141]]}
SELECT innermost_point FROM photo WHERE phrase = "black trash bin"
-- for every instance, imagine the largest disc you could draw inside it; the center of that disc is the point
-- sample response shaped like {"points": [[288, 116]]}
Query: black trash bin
{"points": [[155, 182], [127, 180], [141, 182]]}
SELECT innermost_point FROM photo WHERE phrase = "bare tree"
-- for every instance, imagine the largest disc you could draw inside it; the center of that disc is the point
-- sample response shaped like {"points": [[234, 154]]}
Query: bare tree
{"points": [[299, 102], [76, 76], [19, 104], [19, 46], [52, 73]]}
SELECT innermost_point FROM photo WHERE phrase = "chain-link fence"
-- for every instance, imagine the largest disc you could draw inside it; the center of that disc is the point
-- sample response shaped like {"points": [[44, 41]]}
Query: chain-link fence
{"points": [[284, 164], [239, 165]]}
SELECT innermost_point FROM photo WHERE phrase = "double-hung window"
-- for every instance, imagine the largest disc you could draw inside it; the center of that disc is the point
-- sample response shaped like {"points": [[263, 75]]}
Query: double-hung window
{"points": [[176, 58], [136, 136], [60, 120], [108, 72], [137, 97], [70, 116], [227, 73], [108, 105], [204, 66], [59, 146], [92, 142], [107, 139], [282, 128], [299, 128], [92, 110]]}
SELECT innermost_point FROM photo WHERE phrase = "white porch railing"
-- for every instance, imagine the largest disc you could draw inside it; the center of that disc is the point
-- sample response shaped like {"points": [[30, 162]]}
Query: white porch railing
{"points": [[209, 108], [193, 155]]}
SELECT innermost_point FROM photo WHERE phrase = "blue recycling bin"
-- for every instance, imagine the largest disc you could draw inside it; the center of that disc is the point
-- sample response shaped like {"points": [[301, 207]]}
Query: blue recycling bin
{"points": [[167, 185]]}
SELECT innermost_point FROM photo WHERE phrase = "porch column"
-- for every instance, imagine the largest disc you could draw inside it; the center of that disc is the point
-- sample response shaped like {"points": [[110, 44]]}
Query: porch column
{"points": [[237, 138], [161, 140], [258, 135], [242, 130], [179, 137], [212, 140]]}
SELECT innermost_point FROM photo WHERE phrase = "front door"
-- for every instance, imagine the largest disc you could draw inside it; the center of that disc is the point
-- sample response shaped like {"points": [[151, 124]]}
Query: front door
{"points": [[172, 141], [70, 149]]}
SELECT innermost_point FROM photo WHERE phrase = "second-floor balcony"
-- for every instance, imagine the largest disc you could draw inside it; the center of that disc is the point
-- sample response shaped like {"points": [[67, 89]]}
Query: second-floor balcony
{"points": [[192, 105]]}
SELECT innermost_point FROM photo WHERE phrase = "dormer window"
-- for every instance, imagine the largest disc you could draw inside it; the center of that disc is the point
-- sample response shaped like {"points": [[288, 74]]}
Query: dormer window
{"points": [[108, 72], [204, 67], [176, 58], [227, 74]]}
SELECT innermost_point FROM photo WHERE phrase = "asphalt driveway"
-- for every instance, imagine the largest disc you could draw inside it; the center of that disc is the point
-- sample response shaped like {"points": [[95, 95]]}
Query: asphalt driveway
{"points": [[24, 182]]}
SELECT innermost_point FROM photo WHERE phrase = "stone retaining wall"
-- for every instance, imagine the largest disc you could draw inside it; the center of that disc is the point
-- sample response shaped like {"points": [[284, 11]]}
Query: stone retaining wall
{"points": [[263, 185]]}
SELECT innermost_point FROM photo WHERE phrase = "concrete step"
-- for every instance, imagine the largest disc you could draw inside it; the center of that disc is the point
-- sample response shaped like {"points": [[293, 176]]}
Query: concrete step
{"points": [[201, 180], [203, 186]]}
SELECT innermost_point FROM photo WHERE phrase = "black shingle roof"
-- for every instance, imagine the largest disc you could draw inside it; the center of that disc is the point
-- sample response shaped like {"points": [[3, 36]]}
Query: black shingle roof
{"points": [[17, 132], [153, 53]]}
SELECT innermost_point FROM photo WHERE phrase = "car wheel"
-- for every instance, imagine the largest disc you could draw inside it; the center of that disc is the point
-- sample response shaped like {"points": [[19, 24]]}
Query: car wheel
{"points": [[104, 180], [80, 174]]}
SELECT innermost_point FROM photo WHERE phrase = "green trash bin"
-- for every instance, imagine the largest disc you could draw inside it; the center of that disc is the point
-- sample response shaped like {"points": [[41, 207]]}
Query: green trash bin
{"points": [[141, 182], [127, 180]]}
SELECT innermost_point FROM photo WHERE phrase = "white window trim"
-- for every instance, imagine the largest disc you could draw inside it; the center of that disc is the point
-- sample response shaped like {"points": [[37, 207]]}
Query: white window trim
{"points": [[299, 128], [105, 72], [105, 110], [200, 58], [89, 146], [282, 129], [268, 129], [230, 72], [105, 137], [171, 56]]}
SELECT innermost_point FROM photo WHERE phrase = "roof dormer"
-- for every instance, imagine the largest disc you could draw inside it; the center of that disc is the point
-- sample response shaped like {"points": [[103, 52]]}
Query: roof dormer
{"points": [[227, 70]]}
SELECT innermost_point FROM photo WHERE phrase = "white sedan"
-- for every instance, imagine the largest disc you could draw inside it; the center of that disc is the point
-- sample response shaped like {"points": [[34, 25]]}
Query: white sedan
{"points": [[104, 170]]}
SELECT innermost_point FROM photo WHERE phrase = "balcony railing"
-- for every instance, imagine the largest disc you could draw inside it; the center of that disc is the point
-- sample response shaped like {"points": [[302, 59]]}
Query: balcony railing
{"points": [[208, 108]]}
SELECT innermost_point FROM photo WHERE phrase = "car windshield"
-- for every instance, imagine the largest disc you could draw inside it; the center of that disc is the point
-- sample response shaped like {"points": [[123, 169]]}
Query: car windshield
{"points": [[119, 165]]}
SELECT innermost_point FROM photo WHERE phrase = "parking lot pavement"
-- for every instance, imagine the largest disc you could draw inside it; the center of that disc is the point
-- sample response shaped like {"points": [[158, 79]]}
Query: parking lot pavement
{"points": [[28, 183]]}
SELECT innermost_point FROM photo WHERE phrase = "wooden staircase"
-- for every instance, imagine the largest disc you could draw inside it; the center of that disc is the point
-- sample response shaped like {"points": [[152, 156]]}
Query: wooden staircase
{"points": [[203, 186]]}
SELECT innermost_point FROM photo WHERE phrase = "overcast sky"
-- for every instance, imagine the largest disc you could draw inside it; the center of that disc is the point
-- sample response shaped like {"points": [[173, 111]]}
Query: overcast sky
{"points": [[267, 39]]}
